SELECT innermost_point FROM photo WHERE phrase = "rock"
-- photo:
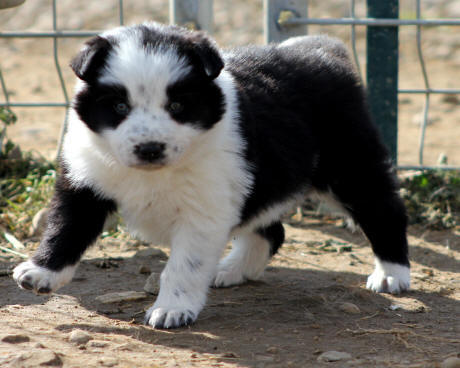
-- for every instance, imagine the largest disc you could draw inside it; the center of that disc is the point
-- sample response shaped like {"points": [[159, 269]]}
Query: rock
{"points": [[451, 99], [15, 339], [79, 337], [349, 308], [333, 356], [451, 362], [124, 296], [144, 270], [152, 284], [150, 252], [97, 344], [37, 358], [108, 362], [272, 350], [39, 222]]}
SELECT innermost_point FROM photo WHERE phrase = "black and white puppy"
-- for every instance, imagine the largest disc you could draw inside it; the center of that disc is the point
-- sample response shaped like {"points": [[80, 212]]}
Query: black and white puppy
{"points": [[195, 147]]}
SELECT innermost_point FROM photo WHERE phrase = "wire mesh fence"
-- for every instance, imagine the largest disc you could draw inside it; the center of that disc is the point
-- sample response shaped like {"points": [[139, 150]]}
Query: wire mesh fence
{"points": [[282, 18]]}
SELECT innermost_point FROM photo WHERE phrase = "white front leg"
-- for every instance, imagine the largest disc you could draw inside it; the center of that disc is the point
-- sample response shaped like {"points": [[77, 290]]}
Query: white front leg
{"points": [[186, 278]]}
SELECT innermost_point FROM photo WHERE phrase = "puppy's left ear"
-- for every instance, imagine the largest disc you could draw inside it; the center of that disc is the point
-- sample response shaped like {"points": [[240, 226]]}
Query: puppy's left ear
{"points": [[207, 51]]}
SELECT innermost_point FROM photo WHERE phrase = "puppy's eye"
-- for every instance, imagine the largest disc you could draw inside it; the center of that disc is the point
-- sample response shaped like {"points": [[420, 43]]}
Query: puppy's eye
{"points": [[121, 108], [175, 107]]}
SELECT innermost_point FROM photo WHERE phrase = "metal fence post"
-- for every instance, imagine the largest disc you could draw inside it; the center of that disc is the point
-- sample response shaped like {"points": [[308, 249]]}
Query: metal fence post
{"points": [[193, 14], [277, 12], [382, 71]]}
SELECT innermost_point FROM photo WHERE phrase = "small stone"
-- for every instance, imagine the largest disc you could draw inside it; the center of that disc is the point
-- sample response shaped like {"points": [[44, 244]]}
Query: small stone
{"points": [[124, 296], [349, 308], [150, 252], [272, 350], [333, 356], [39, 222], [108, 362], [79, 337], [451, 99], [152, 284], [451, 362], [97, 344], [15, 339], [144, 270], [229, 354], [38, 358]]}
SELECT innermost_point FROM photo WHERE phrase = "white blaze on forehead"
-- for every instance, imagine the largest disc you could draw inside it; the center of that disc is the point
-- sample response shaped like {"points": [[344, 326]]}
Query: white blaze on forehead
{"points": [[145, 72]]}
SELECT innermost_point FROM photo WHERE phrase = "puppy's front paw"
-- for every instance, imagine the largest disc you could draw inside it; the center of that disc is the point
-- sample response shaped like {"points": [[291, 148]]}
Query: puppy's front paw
{"points": [[169, 317], [41, 280], [389, 278]]}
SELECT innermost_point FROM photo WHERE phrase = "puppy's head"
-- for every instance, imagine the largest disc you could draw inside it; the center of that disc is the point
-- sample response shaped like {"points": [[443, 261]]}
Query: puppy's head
{"points": [[150, 91]]}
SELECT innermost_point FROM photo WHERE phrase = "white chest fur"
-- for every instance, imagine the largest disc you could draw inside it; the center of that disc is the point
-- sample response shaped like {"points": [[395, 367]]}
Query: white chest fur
{"points": [[205, 189]]}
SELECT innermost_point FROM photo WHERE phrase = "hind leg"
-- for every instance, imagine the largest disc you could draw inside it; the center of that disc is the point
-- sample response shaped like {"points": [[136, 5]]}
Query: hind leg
{"points": [[250, 255], [381, 214]]}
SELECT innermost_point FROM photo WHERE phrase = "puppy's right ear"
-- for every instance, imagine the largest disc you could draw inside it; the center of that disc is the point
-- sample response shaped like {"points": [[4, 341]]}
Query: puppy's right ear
{"points": [[91, 59]]}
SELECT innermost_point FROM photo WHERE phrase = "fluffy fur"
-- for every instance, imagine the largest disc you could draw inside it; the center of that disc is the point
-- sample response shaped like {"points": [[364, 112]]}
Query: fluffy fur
{"points": [[195, 147]]}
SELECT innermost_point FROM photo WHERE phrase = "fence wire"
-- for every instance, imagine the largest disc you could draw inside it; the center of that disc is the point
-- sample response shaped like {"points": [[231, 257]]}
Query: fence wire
{"points": [[352, 21]]}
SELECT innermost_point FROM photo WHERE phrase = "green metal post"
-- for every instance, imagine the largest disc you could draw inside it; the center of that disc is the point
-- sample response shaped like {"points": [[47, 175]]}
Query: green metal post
{"points": [[382, 71]]}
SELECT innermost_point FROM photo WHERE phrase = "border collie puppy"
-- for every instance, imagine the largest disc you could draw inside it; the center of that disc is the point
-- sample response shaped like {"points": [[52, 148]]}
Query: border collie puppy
{"points": [[195, 147]]}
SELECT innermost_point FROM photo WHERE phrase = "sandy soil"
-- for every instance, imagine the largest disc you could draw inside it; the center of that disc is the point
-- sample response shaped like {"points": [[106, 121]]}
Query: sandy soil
{"points": [[297, 311]]}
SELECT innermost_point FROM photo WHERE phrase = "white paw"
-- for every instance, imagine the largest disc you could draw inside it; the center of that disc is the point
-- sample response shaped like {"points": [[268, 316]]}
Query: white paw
{"points": [[164, 317], [228, 277], [41, 280], [389, 278]]}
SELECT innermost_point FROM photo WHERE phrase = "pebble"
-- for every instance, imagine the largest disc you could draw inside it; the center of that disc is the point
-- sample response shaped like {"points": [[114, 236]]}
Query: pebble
{"points": [[39, 222], [349, 308], [79, 337], [97, 344], [15, 339], [108, 362], [451, 362], [272, 350], [144, 270], [152, 284], [124, 296], [150, 252], [38, 358], [333, 356]]}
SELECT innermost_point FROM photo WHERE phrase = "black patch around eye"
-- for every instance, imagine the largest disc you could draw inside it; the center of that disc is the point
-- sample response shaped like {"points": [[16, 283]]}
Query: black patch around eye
{"points": [[201, 102], [99, 106]]}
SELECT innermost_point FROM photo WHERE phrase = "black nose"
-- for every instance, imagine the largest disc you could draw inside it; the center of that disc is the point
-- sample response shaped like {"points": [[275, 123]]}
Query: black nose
{"points": [[150, 151]]}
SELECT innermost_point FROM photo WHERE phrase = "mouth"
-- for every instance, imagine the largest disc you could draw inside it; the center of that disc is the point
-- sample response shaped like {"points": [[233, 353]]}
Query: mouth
{"points": [[146, 166]]}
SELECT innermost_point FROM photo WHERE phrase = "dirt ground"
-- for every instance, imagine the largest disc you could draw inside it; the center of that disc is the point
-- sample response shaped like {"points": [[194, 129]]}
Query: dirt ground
{"points": [[299, 309], [295, 313]]}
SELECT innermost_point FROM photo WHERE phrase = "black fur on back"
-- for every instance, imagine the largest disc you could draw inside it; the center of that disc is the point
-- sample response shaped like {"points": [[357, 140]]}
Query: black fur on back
{"points": [[305, 119]]}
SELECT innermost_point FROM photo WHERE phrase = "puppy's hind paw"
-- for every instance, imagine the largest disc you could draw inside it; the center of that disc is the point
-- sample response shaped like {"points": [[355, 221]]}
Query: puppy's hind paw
{"points": [[389, 278], [226, 278], [41, 280], [161, 318]]}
